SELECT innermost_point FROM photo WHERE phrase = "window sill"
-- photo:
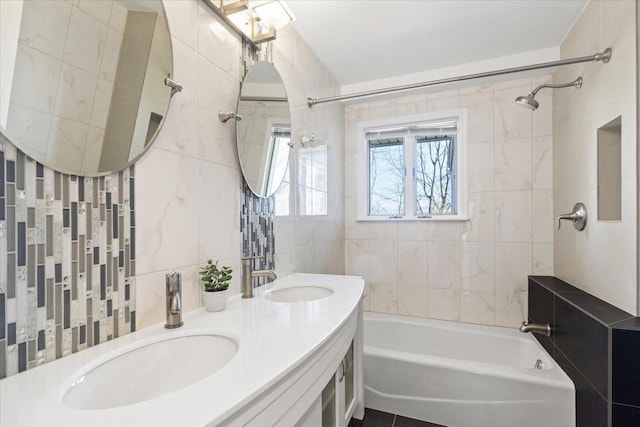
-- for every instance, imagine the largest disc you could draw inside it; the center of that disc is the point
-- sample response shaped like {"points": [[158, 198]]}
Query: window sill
{"points": [[452, 218]]}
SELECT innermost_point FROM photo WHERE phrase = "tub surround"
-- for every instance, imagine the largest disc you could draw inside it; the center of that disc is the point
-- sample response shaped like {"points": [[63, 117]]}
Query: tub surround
{"points": [[473, 271], [286, 355], [602, 260], [596, 344]]}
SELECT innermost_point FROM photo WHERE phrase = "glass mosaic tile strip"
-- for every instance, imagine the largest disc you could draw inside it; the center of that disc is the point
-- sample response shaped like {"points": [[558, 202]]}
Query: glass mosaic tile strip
{"points": [[68, 243], [256, 222]]}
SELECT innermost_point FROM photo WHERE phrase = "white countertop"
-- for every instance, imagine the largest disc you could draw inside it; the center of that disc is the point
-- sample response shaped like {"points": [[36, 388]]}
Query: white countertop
{"points": [[273, 338]]}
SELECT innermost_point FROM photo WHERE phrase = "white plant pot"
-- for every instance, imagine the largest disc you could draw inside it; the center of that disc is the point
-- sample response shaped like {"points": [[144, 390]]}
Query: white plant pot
{"points": [[215, 301]]}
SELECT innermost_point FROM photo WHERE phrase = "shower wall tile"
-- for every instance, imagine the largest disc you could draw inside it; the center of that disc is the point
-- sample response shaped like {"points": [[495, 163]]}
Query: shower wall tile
{"points": [[412, 263], [412, 300], [477, 307], [48, 298], [513, 164], [481, 170], [443, 304], [383, 298], [601, 260], [476, 271], [511, 308]]}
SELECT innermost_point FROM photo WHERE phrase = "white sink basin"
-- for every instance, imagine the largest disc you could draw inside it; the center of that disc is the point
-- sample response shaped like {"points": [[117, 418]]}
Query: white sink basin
{"points": [[150, 371], [298, 294]]}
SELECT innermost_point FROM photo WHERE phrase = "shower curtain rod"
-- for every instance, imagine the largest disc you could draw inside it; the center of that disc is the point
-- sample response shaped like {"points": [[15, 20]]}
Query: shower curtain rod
{"points": [[604, 56]]}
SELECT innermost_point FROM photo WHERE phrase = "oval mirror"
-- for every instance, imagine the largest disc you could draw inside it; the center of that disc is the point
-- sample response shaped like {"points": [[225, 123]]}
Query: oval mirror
{"points": [[264, 133], [83, 83]]}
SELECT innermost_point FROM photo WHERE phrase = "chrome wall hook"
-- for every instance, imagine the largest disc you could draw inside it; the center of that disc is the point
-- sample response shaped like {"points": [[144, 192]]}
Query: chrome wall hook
{"points": [[578, 216], [224, 116], [175, 87]]}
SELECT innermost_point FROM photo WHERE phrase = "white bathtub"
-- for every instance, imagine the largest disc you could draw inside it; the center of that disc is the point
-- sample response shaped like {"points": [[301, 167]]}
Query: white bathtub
{"points": [[462, 375]]}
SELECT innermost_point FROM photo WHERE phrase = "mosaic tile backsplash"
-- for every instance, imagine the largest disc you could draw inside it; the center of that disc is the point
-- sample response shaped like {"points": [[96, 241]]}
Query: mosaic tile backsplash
{"points": [[67, 255], [256, 225]]}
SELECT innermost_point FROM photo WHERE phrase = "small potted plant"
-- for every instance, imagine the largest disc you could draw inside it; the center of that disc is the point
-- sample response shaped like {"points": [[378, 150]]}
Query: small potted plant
{"points": [[216, 286]]}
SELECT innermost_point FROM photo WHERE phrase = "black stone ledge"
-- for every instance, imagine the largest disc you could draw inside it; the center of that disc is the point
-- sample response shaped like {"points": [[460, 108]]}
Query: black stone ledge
{"points": [[594, 307], [632, 324]]}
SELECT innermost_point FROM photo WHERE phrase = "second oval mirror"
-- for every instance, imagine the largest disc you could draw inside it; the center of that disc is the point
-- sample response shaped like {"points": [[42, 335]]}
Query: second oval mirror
{"points": [[264, 132]]}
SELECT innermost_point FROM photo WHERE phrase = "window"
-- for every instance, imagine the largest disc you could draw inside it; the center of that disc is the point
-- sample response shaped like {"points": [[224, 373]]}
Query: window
{"points": [[413, 167]]}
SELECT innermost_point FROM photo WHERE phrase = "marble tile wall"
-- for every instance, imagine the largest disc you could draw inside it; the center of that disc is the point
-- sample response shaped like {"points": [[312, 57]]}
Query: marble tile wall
{"points": [[189, 185], [474, 271], [67, 270], [602, 259]]}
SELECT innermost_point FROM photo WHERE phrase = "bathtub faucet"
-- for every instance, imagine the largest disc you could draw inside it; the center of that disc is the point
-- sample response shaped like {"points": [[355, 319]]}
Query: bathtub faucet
{"points": [[536, 328]]}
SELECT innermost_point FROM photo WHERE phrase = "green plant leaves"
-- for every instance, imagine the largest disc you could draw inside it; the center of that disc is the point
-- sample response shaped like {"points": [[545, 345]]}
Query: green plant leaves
{"points": [[215, 279]]}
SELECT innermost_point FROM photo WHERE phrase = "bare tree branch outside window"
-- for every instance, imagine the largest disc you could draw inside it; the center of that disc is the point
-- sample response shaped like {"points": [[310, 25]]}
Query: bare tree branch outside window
{"points": [[386, 177], [434, 175], [435, 159]]}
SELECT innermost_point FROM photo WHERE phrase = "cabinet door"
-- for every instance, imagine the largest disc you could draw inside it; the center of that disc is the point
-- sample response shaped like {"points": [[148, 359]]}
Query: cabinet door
{"points": [[339, 396], [349, 384], [329, 404]]}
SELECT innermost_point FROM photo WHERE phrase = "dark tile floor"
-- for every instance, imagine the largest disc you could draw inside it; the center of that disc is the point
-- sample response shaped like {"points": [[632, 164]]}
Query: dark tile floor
{"points": [[373, 418]]}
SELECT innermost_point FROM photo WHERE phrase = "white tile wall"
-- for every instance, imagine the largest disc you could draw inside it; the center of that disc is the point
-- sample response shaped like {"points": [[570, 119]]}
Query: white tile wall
{"points": [[189, 185], [474, 271], [603, 258]]}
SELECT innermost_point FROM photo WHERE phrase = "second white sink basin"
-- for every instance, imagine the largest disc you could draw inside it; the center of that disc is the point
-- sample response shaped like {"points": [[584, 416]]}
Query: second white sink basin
{"points": [[298, 294], [150, 371]]}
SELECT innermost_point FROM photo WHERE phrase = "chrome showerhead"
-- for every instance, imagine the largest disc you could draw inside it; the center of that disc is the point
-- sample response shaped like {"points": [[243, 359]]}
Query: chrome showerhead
{"points": [[530, 102]]}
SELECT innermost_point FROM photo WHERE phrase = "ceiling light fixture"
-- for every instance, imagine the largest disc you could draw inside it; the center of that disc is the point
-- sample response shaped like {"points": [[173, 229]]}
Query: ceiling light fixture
{"points": [[256, 21]]}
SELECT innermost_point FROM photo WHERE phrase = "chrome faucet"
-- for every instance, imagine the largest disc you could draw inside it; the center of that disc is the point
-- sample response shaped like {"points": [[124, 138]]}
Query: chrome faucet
{"points": [[536, 328], [174, 300], [248, 273]]}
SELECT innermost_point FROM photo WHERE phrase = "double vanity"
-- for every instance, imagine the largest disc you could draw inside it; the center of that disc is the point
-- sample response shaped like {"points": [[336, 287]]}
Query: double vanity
{"points": [[292, 355]]}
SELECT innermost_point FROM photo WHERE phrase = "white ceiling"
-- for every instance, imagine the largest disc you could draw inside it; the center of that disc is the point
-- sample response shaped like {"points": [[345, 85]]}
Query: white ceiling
{"points": [[367, 40]]}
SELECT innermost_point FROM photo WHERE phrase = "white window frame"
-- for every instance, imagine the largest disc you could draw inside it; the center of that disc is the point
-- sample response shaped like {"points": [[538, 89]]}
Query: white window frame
{"points": [[462, 185]]}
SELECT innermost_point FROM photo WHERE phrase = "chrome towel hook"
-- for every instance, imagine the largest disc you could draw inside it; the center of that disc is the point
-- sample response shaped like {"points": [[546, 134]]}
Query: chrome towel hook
{"points": [[226, 115], [175, 87]]}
